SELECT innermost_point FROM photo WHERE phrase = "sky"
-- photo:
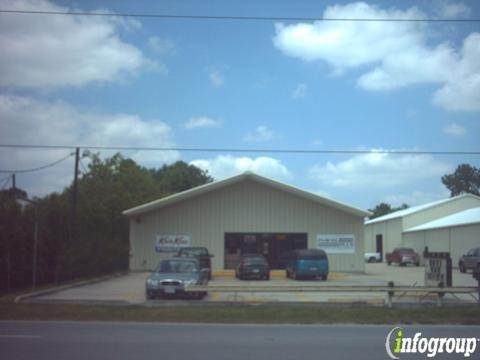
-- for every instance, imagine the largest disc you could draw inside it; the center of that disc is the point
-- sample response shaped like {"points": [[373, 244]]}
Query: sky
{"points": [[191, 83]]}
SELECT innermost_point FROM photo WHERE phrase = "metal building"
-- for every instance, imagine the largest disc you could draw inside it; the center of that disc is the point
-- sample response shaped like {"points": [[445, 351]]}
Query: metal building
{"points": [[243, 214], [456, 234], [385, 233]]}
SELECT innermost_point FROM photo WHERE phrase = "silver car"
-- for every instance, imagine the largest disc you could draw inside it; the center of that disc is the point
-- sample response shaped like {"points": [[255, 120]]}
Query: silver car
{"points": [[171, 276]]}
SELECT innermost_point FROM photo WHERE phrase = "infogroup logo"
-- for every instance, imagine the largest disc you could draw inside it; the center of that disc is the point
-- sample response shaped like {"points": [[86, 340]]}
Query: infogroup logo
{"points": [[397, 343]]}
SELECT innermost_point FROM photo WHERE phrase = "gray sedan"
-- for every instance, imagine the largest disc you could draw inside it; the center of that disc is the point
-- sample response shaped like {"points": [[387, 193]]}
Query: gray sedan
{"points": [[171, 277]]}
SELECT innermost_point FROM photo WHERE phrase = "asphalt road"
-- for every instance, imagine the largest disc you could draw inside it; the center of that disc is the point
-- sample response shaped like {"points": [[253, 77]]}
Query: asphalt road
{"points": [[108, 340]]}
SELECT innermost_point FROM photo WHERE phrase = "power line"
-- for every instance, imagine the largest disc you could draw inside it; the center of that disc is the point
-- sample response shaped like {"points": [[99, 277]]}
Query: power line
{"points": [[241, 150], [5, 180], [83, 166], [227, 17], [37, 168]]}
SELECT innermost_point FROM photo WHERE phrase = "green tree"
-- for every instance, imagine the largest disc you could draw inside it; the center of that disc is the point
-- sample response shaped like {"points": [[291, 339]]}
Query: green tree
{"points": [[465, 180], [101, 244], [384, 209], [179, 176]]}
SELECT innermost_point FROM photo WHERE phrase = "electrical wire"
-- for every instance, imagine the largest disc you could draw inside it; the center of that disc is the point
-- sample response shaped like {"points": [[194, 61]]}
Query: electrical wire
{"points": [[37, 168], [240, 150], [5, 180], [227, 17], [83, 167]]}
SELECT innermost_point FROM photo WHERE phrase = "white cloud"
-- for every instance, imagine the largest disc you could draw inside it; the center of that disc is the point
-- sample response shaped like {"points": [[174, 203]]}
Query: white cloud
{"points": [[416, 197], [300, 91], [28, 121], [454, 130], [224, 166], [260, 134], [316, 143], [216, 78], [450, 10], [401, 55], [378, 170], [161, 46], [462, 89], [202, 122], [58, 51]]}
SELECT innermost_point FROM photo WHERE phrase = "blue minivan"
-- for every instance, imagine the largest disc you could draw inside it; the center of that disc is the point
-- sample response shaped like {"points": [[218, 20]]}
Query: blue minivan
{"points": [[311, 263]]}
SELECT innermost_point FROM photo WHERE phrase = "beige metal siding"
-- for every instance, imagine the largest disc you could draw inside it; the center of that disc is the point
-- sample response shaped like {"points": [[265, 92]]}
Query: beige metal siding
{"points": [[441, 210], [247, 206], [416, 241], [391, 231], [462, 239], [456, 240], [437, 240]]}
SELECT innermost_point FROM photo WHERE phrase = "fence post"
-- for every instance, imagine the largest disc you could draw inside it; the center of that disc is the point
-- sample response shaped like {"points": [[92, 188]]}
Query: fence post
{"points": [[440, 294], [391, 284]]}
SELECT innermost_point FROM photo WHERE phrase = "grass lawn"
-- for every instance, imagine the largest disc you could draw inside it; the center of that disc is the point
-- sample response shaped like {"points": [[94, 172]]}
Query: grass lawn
{"points": [[264, 314]]}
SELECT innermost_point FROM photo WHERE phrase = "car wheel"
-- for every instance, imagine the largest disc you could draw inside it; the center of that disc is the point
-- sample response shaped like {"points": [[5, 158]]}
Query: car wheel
{"points": [[267, 277], [371, 260], [149, 295], [240, 277], [462, 269], [403, 264], [324, 277], [417, 264], [389, 263], [287, 274]]}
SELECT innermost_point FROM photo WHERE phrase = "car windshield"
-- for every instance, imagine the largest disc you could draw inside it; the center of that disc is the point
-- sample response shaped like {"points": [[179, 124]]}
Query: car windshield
{"points": [[254, 261], [193, 252], [312, 256], [175, 266]]}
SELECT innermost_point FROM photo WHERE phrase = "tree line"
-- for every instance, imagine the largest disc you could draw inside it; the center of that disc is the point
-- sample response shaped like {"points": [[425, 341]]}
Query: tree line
{"points": [[464, 180], [101, 241]]}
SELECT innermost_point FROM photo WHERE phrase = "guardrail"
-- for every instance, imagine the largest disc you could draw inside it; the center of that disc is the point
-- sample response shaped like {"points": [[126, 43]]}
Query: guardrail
{"points": [[390, 290]]}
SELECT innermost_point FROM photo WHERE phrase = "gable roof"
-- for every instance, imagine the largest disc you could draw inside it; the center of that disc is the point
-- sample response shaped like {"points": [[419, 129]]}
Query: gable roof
{"points": [[415, 209], [466, 217], [202, 189]]}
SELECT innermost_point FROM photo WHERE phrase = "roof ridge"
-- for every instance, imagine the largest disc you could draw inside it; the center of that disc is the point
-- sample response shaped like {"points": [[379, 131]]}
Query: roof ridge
{"points": [[152, 205]]}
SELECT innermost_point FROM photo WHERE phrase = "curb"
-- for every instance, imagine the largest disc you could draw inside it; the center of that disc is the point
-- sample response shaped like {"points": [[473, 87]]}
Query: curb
{"points": [[34, 294]]}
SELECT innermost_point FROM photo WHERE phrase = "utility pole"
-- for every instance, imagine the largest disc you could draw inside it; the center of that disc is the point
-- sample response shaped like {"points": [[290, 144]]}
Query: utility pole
{"points": [[73, 216], [14, 183]]}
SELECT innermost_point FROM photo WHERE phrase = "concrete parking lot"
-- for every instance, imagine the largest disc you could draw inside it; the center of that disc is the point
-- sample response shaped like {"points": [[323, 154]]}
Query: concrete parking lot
{"points": [[130, 288]]}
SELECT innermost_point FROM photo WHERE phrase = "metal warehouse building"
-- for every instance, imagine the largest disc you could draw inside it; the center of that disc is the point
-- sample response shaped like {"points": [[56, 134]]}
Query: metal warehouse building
{"points": [[387, 232], [244, 214], [457, 234]]}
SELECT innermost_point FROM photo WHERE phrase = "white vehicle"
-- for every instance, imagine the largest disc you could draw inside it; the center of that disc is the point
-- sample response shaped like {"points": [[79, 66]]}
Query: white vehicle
{"points": [[373, 257]]}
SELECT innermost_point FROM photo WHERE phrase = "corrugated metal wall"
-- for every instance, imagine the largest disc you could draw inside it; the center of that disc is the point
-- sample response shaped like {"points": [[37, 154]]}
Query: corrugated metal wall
{"points": [[441, 210], [456, 240], [247, 206], [391, 230]]}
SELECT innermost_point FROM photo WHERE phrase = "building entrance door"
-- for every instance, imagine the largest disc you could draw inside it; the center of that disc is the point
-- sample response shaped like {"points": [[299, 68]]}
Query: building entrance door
{"points": [[274, 246], [379, 247]]}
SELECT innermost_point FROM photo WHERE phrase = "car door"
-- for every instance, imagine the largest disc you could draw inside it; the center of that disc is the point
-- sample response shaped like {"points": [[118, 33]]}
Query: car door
{"points": [[469, 259], [476, 258]]}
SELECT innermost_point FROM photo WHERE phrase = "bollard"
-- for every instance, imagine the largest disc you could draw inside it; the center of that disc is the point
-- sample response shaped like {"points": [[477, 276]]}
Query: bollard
{"points": [[476, 276], [391, 284]]}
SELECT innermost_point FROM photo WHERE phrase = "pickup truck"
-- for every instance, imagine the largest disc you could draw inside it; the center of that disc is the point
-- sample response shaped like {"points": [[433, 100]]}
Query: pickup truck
{"points": [[403, 256], [372, 257], [470, 261], [201, 254]]}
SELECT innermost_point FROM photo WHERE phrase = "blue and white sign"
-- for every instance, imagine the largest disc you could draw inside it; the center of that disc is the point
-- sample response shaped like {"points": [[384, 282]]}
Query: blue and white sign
{"points": [[336, 243], [171, 243]]}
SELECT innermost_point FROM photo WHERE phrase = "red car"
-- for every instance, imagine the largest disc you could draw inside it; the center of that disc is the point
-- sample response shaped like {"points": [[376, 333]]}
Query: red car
{"points": [[403, 256]]}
